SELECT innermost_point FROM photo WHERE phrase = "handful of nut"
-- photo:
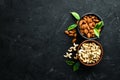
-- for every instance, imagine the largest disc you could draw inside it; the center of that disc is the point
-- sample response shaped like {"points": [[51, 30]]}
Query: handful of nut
{"points": [[90, 52]]}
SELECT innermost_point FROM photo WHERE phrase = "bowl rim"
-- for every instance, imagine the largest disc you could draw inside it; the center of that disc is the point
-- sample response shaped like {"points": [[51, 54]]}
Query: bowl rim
{"points": [[89, 13], [101, 56]]}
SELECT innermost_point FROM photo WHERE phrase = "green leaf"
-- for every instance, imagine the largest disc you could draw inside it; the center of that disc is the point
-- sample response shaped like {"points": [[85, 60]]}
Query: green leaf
{"points": [[69, 62], [97, 33], [76, 15], [99, 25], [76, 66], [73, 26]]}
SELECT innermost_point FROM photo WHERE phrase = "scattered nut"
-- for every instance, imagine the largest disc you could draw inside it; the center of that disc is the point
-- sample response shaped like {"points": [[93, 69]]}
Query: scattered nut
{"points": [[71, 35], [69, 50], [75, 35], [74, 40], [77, 22], [75, 45], [76, 56], [66, 32], [68, 55], [71, 32]]}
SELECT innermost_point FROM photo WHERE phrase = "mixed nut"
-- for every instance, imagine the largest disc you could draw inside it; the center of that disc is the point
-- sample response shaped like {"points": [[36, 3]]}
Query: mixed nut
{"points": [[87, 25], [89, 53]]}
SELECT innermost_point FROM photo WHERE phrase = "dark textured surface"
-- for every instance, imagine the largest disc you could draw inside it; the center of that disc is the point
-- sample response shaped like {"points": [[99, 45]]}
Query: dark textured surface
{"points": [[32, 39]]}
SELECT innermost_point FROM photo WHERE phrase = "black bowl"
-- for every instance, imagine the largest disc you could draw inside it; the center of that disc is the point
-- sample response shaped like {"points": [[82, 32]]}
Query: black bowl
{"points": [[86, 14]]}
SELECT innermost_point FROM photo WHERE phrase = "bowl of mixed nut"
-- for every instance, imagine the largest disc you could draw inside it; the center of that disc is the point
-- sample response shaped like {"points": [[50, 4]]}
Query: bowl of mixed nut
{"points": [[89, 26], [90, 52]]}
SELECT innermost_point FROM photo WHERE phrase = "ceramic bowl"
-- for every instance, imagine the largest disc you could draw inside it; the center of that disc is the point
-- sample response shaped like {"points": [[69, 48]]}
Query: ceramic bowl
{"points": [[87, 41], [87, 14]]}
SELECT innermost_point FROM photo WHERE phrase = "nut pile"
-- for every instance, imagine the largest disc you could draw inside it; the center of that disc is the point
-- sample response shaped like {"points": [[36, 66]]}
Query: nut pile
{"points": [[89, 53], [87, 24], [72, 33]]}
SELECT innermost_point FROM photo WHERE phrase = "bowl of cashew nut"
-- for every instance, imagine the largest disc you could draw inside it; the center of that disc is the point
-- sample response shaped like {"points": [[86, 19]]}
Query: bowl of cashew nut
{"points": [[90, 52]]}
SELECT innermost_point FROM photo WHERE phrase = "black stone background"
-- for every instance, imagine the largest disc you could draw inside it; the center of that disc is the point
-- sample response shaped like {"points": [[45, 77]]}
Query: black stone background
{"points": [[32, 39]]}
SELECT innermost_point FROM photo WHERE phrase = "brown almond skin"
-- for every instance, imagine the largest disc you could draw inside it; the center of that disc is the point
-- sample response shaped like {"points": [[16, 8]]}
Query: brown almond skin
{"points": [[85, 31], [82, 32], [82, 27], [96, 20], [77, 22], [91, 31], [75, 35], [74, 30], [71, 35], [82, 22], [71, 32], [92, 25], [66, 32], [88, 35], [93, 35], [85, 26], [93, 17], [88, 27], [89, 20], [74, 40]]}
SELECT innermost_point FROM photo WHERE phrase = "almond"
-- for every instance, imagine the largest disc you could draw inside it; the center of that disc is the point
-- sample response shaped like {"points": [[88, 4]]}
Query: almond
{"points": [[88, 35], [75, 35], [88, 27], [74, 40], [71, 35], [92, 25], [96, 20], [74, 30], [93, 17], [85, 31], [84, 26], [82, 32], [91, 31], [66, 32], [89, 20], [93, 35], [77, 22], [82, 22], [71, 32]]}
